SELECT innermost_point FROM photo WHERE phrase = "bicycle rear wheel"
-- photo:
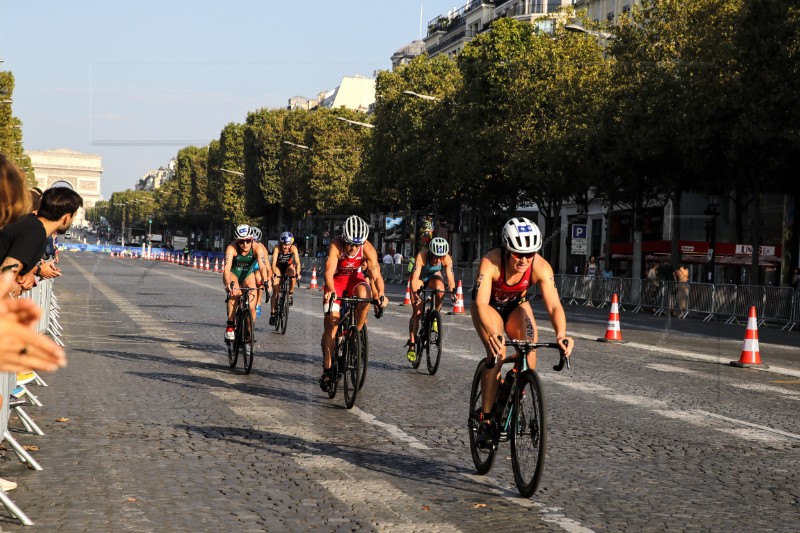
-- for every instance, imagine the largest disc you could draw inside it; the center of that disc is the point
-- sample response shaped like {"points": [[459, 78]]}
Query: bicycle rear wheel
{"points": [[433, 347], [247, 341], [352, 359], [364, 356], [528, 434], [483, 459], [335, 358]]}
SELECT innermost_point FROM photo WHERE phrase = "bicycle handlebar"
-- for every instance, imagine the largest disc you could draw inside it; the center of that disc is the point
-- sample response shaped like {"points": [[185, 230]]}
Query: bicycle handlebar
{"points": [[528, 346], [355, 300]]}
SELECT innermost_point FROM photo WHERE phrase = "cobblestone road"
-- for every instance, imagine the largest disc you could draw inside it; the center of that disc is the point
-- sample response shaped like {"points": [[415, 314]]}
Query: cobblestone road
{"points": [[163, 436]]}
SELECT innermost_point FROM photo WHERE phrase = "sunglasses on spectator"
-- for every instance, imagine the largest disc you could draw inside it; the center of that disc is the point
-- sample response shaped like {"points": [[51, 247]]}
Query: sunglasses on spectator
{"points": [[518, 255], [244, 241]]}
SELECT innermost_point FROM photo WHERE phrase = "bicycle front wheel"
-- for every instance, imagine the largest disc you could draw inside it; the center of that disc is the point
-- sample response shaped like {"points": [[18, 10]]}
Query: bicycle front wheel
{"points": [[284, 318], [420, 340], [278, 314], [364, 356], [247, 341], [352, 359], [433, 348], [483, 459], [528, 434], [233, 354]]}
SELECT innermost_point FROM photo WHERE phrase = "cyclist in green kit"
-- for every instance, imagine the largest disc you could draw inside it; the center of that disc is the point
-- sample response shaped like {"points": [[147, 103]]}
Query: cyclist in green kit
{"points": [[238, 272]]}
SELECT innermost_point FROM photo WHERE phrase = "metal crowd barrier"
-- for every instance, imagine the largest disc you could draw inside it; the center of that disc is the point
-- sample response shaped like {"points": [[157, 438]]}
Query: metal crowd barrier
{"points": [[778, 306], [12, 390]]}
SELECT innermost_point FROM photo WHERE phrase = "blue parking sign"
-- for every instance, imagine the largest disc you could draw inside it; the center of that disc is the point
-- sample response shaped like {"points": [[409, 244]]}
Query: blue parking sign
{"points": [[579, 231]]}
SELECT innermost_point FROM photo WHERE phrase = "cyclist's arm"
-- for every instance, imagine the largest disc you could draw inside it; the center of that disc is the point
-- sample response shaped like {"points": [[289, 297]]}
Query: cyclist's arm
{"points": [[227, 275], [375, 272], [543, 275], [416, 284], [448, 266], [297, 268], [263, 265], [330, 268], [274, 259], [485, 321]]}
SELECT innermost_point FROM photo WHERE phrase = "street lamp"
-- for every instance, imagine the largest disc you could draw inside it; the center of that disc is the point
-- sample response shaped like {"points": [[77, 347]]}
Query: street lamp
{"points": [[303, 146], [355, 122], [423, 96], [577, 28], [711, 213], [235, 172]]}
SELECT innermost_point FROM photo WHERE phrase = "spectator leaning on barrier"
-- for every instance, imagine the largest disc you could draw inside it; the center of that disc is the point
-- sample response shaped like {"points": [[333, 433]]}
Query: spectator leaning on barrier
{"points": [[398, 258], [796, 278], [23, 242], [387, 259]]}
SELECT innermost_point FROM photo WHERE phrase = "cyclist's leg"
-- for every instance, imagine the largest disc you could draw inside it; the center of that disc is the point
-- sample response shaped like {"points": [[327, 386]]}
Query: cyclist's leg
{"points": [[490, 375], [437, 283], [522, 325], [250, 281], [361, 290]]}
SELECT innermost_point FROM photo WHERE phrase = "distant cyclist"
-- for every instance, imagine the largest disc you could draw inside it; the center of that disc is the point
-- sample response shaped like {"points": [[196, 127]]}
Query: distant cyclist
{"points": [[500, 305], [238, 269], [428, 267], [347, 255], [285, 261], [262, 284]]}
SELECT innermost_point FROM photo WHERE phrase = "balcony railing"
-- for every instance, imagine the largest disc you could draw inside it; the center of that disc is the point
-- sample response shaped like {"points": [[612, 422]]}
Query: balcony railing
{"points": [[454, 19], [448, 41]]}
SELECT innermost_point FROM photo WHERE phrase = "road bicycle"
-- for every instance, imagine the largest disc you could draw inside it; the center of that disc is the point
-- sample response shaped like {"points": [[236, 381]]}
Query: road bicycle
{"points": [[243, 330], [350, 358], [518, 416], [282, 309], [429, 337]]}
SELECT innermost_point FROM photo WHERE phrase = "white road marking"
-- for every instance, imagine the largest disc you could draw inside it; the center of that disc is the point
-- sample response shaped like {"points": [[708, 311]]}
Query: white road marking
{"points": [[758, 387], [549, 514], [696, 417]]}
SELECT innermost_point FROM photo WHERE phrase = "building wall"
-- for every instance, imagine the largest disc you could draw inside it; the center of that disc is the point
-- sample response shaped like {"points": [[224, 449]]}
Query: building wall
{"points": [[604, 10], [82, 171]]}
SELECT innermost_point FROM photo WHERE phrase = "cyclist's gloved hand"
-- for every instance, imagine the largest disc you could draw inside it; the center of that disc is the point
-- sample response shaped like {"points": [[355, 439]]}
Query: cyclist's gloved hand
{"points": [[453, 295]]}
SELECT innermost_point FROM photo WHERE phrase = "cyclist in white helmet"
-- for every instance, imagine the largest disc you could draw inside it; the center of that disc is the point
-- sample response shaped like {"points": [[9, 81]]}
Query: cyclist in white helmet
{"points": [[238, 269], [285, 262], [428, 267], [347, 255], [500, 305], [262, 284]]}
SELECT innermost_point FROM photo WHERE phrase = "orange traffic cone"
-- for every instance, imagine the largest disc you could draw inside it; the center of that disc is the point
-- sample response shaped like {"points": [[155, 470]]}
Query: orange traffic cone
{"points": [[194, 262], [750, 355], [407, 299], [313, 284], [216, 264], [205, 264], [458, 305], [613, 333]]}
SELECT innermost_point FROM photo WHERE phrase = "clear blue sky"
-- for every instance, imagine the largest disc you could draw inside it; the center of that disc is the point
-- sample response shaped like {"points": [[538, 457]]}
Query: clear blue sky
{"points": [[136, 81]]}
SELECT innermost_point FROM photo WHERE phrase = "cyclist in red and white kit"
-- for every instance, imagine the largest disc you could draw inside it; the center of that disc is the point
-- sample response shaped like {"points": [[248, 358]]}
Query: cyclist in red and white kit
{"points": [[500, 305], [343, 275]]}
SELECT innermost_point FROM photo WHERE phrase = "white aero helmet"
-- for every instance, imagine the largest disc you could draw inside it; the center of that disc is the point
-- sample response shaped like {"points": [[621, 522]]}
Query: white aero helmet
{"points": [[522, 236], [255, 233], [242, 231], [439, 247], [355, 230]]}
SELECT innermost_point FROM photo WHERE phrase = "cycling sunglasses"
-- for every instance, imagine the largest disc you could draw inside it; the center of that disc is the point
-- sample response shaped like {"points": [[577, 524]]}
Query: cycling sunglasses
{"points": [[351, 243], [518, 255], [244, 241]]}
